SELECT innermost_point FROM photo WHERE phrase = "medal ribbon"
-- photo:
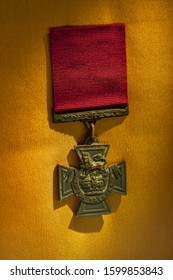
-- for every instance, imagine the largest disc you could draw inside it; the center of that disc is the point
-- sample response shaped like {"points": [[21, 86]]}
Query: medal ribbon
{"points": [[89, 67]]}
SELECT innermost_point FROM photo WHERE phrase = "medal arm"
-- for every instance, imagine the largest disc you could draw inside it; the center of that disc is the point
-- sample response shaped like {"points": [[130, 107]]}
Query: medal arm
{"points": [[117, 177], [65, 175]]}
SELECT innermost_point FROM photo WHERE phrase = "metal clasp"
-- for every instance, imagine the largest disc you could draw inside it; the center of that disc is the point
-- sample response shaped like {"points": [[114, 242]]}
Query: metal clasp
{"points": [[91, 139]]}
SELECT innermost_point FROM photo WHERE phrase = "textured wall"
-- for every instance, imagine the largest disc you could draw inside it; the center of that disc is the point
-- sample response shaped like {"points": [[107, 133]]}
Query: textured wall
{"points": [[34, 225]]}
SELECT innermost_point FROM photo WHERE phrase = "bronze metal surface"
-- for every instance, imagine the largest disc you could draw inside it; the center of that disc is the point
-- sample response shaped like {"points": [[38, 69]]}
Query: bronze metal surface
{"points": [[93, 182], [91, 115]]}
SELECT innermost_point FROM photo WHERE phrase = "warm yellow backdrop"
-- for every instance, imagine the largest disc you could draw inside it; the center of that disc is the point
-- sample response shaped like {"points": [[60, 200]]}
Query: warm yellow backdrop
{"points": [[34, 225]]}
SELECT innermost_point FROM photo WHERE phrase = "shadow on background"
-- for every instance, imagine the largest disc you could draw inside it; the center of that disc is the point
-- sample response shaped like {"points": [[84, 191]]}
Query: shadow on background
{"points": [[94, 223]]}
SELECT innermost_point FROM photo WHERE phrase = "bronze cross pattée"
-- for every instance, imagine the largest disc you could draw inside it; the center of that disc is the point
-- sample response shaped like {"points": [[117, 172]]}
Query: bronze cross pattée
{"points": [[93, 182]]}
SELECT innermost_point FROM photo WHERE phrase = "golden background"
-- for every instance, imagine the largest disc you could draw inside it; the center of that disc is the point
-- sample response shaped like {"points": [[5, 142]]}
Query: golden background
{"points": [[34, 225]]}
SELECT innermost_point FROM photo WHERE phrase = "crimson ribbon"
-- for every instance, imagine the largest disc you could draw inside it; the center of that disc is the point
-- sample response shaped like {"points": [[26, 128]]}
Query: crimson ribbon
{"points": [[89, 67]]}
